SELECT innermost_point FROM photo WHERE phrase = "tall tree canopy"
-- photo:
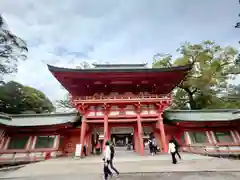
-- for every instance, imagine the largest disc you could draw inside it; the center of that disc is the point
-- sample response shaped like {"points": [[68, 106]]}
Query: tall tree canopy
{"points": [[65, 103], [212, 68], [16, 98], [12, 49]]}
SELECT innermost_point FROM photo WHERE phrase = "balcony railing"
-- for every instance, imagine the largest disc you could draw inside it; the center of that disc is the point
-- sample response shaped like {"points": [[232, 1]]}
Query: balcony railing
{"points": [[120, 97], [210, 149]]}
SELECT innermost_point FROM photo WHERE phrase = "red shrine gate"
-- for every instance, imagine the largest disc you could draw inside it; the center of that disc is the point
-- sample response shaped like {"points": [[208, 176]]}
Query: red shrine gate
{"points": [[108, 96], [137, 120]]}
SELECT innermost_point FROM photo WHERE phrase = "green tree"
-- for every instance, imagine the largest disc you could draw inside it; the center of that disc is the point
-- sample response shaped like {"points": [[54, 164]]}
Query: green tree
{"points": [[12, 49], [212, 67], [65, 103], [229, 99], [16, 98]]}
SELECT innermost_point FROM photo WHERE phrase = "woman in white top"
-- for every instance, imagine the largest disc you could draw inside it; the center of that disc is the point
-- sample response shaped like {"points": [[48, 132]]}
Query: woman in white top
{"points": [[172, 151], [106, 159]]}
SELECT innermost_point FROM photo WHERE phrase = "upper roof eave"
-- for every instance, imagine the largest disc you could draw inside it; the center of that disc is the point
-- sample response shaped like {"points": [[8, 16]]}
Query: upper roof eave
{"points": [[93, 70], [111, 65]]}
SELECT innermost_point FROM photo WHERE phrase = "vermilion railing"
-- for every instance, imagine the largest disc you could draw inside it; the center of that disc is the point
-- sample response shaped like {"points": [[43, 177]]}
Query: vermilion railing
{"points": [[212, 149], [119, 97]]}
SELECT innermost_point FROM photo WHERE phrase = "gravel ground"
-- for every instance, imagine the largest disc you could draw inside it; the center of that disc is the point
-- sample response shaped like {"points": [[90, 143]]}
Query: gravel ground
{"points": [[146, 176]]}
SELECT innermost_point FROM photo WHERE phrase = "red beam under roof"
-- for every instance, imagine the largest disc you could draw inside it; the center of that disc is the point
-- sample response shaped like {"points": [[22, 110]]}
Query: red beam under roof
{"points": [[81, 82]]}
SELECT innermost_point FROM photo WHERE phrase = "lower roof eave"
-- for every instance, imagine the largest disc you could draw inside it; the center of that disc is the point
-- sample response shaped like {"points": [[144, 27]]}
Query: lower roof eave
{"points": [[201, 121], [40, 126]]}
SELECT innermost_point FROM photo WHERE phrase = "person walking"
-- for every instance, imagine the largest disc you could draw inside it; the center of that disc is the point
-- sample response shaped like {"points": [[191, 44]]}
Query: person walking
{"points": [[154, 144], [106, 159], [150, 145], [85, 150], [177, 146], [172, 151], [111, 159]]}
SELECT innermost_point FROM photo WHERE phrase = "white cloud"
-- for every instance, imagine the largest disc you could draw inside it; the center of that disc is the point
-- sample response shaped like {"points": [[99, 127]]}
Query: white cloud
{"points": [[60, 31]]}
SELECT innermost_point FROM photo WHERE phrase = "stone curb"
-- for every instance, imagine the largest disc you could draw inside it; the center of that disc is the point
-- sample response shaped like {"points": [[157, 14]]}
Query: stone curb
{"points": [[130, 173], [11, 168]]}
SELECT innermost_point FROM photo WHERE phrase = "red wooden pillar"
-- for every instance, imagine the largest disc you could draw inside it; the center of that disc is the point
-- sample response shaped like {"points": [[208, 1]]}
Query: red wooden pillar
{"points": [[140, 134], [106, 129], [135, 139], [83, 133], [109, 133], [88, 141], [163, 135]]}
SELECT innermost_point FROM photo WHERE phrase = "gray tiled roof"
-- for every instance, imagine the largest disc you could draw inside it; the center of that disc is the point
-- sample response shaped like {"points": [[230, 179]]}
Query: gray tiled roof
{"points": [[22, 120], [202, 115]]}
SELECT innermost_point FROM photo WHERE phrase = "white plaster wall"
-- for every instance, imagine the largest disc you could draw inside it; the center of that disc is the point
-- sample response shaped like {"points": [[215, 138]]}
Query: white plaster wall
{"points": [[237, 135], [56, 141], [6, 144], [187, 137], [29, 142], [34, 142], [114, 113], [130, 112], [213, 137], [234, 137], [209, 137]]}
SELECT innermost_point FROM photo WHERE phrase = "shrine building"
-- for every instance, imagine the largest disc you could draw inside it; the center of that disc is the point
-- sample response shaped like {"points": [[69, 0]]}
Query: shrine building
{"points": [[125, 104]]}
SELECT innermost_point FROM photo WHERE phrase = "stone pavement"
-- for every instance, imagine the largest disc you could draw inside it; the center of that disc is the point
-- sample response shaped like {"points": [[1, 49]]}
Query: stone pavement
{"points": [[144, 176], [92, 166]]}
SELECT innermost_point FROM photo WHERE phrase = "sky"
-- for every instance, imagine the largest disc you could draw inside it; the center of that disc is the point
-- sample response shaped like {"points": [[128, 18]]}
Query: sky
{"points": [[67, 32]]}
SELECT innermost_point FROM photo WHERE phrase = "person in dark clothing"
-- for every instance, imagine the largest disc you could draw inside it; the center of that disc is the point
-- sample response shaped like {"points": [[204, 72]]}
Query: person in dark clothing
{"points": [[150, 144], [85, 150], [154, 144], [106, 170], [111, 159], [177, 146]]}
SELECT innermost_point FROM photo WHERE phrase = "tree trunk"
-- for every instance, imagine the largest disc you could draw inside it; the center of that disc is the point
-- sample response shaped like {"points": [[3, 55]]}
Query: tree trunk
{"points": [[192, 102]]}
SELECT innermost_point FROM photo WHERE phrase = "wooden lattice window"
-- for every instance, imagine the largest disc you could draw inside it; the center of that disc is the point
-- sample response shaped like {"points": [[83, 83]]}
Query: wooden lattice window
{"points": [[45, 141], [18, 142], [198, 137], [183, 138], [223, 137]]}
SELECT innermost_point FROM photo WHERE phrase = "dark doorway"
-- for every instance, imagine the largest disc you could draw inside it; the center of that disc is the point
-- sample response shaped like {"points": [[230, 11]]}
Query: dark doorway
{"points": [[121, 140]]}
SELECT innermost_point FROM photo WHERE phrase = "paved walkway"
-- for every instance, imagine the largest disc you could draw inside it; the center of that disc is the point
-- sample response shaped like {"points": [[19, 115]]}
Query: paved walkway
{"points": [[144, 176], [126, 164]]}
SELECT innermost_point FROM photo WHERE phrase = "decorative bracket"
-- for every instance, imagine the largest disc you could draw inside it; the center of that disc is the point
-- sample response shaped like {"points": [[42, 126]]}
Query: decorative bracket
{"points": [[106, 108], [82, 108]]}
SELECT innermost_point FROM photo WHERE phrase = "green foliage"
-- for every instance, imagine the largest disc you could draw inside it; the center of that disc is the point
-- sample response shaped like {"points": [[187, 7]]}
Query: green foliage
{"points": [[212, 68], [12, 49], [16, 98], [65, 103]]}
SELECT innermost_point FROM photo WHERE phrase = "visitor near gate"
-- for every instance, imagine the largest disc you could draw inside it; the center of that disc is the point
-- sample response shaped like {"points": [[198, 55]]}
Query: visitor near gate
{"points": [[150, 144], [172, 151], [111, 159], [106, 159], [154, 144], [177, 146]]}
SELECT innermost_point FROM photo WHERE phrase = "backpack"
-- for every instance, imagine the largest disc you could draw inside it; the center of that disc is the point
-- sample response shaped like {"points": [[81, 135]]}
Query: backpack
{"points": [[150, 142], [176, 144]]}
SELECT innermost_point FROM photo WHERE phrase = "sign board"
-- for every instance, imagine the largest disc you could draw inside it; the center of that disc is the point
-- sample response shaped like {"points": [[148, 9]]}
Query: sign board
{"points": [[78, 150], [101, 137]]}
